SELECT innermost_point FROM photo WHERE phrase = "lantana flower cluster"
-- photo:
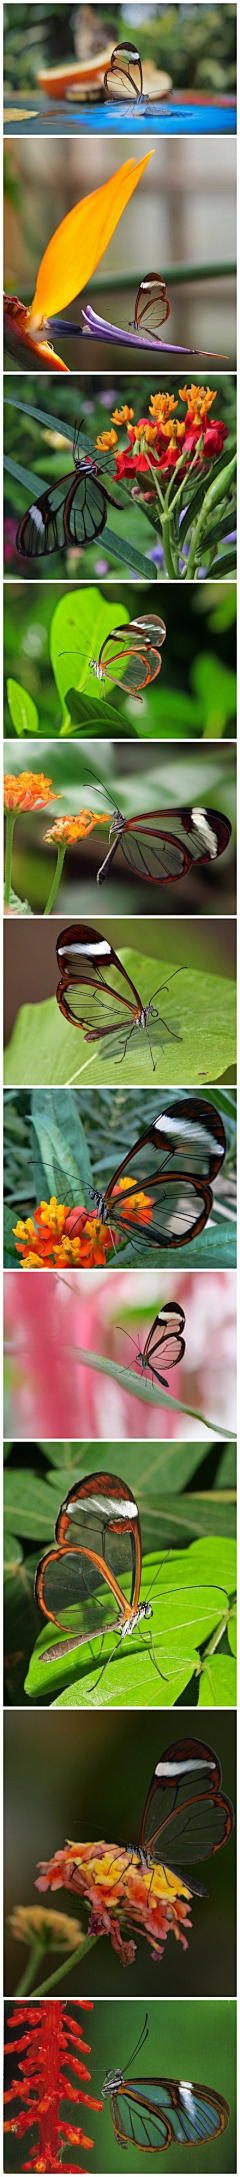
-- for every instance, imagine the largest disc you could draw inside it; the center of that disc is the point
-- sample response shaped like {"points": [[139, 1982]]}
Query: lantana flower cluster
{"points": [[68, 1237], [122, 1891], [162, 437]]}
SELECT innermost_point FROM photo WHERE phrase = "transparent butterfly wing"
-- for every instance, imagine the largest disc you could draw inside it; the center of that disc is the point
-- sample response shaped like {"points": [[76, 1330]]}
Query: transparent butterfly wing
{"points": [[151, 306], [123, 80]]}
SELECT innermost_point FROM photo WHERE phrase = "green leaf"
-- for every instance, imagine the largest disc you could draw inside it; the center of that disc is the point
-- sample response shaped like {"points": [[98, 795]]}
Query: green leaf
{"points": [[232, 1632], [28, 1509], [23, 711], [19, 907], [13, 1554], [188, 1602], [62, 1164], [80, 624], [82, 716], [217, 1688], [199, 1014]]}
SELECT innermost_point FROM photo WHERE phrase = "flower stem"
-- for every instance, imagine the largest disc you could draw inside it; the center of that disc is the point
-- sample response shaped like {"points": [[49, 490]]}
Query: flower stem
{"points": [[75, 1959], [36, 1953], [11, 820], [167, 545], [56, 878]]}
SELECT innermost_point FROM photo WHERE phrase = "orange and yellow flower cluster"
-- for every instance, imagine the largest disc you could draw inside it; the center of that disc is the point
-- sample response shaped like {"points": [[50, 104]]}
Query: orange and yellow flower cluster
{"points": [[122, 1892], [166, 436]]}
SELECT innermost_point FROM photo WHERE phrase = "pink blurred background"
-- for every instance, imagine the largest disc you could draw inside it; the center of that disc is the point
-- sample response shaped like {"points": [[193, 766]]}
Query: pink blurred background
{"points": [[49, 1394]]}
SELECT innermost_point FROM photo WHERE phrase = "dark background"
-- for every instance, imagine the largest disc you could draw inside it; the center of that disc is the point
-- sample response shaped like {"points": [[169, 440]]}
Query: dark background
{"points": [[77, 1778]]}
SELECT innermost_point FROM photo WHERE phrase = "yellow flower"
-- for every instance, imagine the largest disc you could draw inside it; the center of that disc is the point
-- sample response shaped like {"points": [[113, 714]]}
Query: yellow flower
{"points": [[33, 1923], [123, 415], [79, 243], [198, 398], [67, 829], [30, 790], [173, 431], [162, 404], [106, 440]]}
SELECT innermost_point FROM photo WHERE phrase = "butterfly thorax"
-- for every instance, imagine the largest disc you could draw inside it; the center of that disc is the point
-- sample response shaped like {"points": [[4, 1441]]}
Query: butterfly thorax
{"points": [[129, 1624], [113, 2080]]}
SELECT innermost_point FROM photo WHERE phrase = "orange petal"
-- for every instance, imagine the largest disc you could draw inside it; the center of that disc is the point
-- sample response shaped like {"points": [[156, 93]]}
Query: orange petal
{"points": [[80, 241]]}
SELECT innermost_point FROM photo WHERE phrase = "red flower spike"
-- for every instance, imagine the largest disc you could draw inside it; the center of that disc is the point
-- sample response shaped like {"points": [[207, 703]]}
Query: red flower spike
{"points": [[44, 2083]]}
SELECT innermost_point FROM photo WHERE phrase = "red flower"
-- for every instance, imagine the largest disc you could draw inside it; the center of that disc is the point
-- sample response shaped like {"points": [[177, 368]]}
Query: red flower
{"points": [[49, 2046]]}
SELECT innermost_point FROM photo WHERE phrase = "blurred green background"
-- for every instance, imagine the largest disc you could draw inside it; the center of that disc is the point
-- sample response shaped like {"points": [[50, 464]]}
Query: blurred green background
{"points": [[196, 45], [195, 2038], [40, 452], [194, 695], [77, 1778], [135, 778]]}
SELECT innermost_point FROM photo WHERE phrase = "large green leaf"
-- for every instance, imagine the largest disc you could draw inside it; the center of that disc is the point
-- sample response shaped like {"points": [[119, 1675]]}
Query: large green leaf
{"points": [[80, 624], [189, 1598], [191, 1045]]}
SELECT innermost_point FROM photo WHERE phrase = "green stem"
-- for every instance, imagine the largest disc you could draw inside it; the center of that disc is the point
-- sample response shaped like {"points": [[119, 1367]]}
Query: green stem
{"points": [[217, 489], [167, 545], [35, 1955], [56, 878], [212, 1644], [75, 1959], [11, 820]]}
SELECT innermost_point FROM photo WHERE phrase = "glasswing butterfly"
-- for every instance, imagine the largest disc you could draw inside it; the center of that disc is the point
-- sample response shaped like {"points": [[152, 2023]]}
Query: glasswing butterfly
{"points": [[97, 994], [166, 1198], [162, 845], [152, 306], [124, 77], [129, 657], [168, 1342], [98, 1556], [153, 2114], [71, 512], [186, 1815]]}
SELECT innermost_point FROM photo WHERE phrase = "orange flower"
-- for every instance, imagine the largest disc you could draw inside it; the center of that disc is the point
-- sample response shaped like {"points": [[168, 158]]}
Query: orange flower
{"points": [[151, 1898], [79, 243], [122, 415], [30, 790], [173, 431], [67, 829], [141, 1204], [198, 399], [162, 405], [61, 1236], [105, 440]]}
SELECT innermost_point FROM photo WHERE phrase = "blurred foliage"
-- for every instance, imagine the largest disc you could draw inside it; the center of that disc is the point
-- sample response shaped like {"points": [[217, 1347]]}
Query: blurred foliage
{"points": [[196, 45], [186, 1502], [195, 694], [68, 1144], [87, 398]]}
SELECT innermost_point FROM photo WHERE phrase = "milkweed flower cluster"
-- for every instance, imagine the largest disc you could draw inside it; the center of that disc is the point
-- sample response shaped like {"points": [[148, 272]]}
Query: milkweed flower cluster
{"points": [[68, 1237], [122, 1891], [165, 437], [51, 2046]]}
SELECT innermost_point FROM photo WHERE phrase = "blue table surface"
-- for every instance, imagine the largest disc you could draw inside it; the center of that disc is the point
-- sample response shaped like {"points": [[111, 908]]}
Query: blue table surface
{"points": [[61, 119]]}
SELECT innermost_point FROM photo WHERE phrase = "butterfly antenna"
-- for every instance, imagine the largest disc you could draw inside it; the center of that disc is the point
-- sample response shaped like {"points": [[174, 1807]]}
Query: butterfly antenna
{"points": [[126, 1334], [143, 2036], [164, 986]]}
